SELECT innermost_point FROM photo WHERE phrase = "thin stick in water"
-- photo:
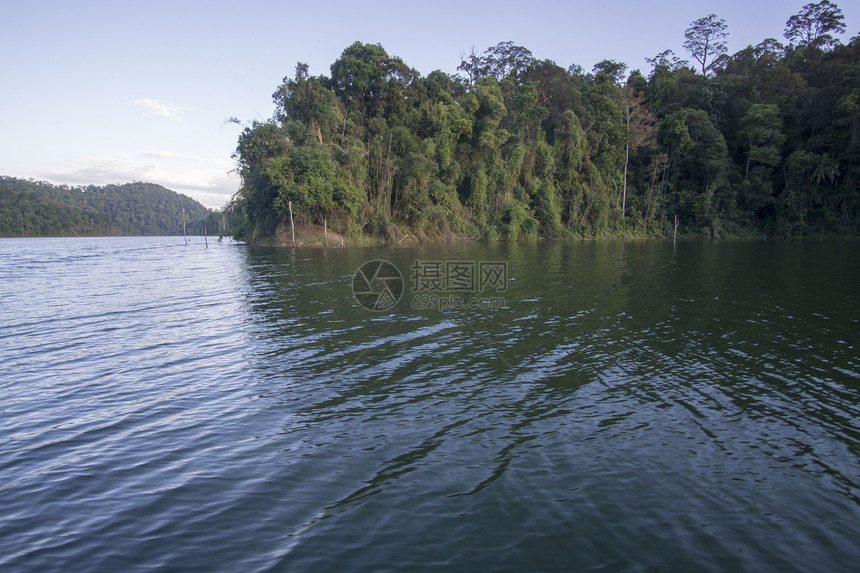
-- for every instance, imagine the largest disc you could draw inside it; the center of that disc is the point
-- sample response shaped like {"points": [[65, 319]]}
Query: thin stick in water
{"points": [[292, 228]]}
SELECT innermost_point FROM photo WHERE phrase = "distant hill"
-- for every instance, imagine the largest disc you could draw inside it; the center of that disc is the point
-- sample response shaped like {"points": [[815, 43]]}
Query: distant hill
{"points": [[38, 209]]}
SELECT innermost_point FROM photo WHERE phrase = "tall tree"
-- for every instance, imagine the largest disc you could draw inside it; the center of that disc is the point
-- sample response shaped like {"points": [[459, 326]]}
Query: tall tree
{"points": [[705, 40], [814, 23], [505, 58], [500, 61], [365, 74], [307, 101], [762, 128], [609, 69], [639, 122]]}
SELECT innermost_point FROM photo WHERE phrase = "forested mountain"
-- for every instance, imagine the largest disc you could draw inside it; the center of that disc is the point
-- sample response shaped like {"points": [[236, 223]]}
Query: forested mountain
{"points": [[763, 141], [37, 209]]}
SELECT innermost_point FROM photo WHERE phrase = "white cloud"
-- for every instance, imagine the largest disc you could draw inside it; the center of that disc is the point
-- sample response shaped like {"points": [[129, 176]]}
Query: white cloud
{"points": [[155, 107], [210, 182], [159, 154]]}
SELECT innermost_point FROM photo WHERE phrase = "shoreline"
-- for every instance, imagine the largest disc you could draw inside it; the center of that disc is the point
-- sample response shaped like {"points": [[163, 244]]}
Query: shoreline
{"points": [[313, 236]]}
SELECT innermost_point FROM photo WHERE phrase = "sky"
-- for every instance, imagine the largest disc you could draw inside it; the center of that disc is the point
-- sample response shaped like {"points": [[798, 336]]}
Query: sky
{"points": [[118, 91]]}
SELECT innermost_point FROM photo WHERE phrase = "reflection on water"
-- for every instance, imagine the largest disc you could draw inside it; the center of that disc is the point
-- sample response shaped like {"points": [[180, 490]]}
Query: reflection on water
{"points": [[635, 405]]}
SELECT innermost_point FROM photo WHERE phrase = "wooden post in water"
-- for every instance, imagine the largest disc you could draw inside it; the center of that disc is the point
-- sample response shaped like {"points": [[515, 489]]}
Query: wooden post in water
{"points": [[205, 240], [325, 231], [292, 228]]}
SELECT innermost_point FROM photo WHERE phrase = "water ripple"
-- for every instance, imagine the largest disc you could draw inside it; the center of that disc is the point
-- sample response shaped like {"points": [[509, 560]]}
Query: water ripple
{"points": [[635, 406]]}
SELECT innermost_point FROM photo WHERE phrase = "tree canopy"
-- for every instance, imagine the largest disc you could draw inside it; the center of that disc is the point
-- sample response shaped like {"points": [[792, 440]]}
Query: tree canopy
{"points": [[37, 209], [766, 140], [705, 40], [814, 24]]}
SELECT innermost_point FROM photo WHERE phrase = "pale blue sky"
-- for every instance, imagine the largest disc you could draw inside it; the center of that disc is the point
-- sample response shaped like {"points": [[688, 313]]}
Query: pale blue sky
{"points": [[117, 91]]}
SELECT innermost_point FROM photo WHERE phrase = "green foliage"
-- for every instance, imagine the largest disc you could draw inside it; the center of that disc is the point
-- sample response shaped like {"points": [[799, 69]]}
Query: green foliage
{"points": [[37, 209], [762, 128], [765, 140], [502, 60], [705, 40], [610, 70], [814, 23]]}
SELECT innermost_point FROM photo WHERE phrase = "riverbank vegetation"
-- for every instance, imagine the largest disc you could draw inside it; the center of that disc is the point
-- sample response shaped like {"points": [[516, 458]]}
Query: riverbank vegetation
{"points": [[766, 140], [38, 209]]}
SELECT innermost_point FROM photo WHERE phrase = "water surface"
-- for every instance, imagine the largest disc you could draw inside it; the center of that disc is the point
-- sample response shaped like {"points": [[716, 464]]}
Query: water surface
{"points": [[634, 406]]}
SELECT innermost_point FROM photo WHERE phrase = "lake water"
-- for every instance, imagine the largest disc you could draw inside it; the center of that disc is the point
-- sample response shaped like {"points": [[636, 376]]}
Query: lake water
{"points": [[621, 406]]}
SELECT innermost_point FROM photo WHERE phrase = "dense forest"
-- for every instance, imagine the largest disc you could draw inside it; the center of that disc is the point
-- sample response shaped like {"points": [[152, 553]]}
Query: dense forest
{"points": [[38, 209], [765, 141]]}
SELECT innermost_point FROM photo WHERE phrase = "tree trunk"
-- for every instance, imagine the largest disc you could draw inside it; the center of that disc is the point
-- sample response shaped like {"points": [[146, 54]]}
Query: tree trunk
{"points": [[292, 227], [318, 130], [624, 192]]}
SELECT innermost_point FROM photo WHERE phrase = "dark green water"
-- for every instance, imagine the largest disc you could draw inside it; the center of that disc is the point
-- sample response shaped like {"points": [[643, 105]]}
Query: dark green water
{"points": [[632, 406]]}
